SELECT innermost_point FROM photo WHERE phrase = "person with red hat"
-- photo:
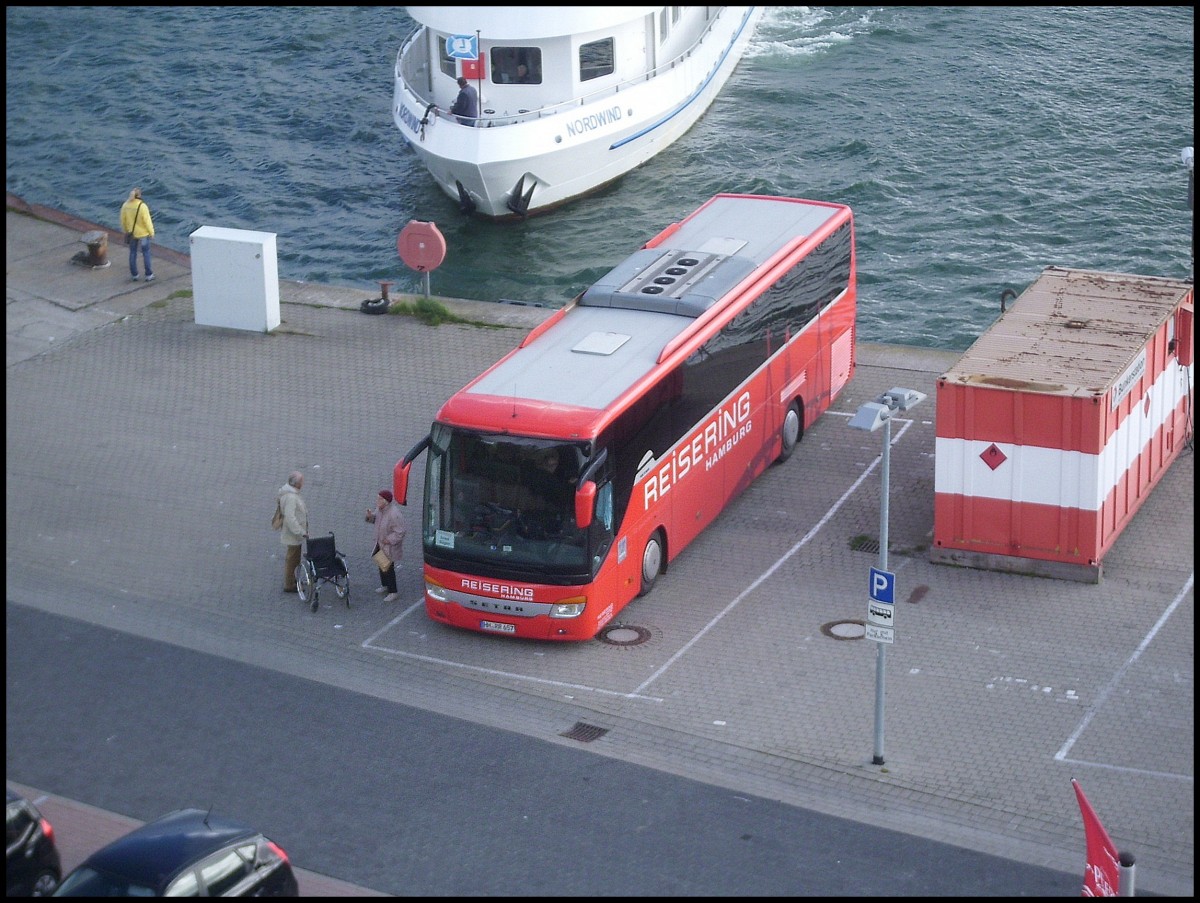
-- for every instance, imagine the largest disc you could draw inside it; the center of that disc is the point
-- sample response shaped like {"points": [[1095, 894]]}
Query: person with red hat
{"points": [[390, 530]]}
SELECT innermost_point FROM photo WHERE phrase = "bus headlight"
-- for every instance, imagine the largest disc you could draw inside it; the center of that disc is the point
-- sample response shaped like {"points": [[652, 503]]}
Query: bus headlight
{"points": [[568, 608], [435, 591]]}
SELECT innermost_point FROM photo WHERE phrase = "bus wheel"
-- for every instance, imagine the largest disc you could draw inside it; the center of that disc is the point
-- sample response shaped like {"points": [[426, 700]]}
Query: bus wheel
{"points": [[652, 557], [791, 433]]}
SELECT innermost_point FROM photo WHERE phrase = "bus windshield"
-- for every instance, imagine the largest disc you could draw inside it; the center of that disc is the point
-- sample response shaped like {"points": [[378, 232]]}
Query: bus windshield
{"points": [[504, 502]]}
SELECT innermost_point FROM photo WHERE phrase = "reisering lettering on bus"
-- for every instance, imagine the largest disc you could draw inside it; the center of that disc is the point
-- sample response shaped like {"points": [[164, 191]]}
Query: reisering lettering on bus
{"points": [[504, 590], [708, 445]]}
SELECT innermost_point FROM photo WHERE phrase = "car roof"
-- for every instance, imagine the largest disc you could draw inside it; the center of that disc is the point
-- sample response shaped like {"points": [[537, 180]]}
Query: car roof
{"points": [[154, 853]]}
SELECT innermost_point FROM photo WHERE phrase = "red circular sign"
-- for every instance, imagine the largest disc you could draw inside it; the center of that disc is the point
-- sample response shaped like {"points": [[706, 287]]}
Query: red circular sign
{"points": [[422, 246]]}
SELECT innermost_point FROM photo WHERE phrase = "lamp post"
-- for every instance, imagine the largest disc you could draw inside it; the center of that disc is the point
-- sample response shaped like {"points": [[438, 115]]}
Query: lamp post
{"points": [[870, 417]]}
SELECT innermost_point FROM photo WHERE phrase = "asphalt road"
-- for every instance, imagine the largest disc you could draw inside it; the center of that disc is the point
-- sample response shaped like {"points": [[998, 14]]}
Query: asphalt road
{"points": [[409, 802]]}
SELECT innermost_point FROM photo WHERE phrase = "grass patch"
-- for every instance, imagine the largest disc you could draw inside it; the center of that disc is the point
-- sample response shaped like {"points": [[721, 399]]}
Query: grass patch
{"points": [[433, 313]]}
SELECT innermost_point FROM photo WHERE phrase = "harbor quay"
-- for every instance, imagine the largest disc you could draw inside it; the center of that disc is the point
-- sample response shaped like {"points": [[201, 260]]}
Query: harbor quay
{"points": [[747, 667]]}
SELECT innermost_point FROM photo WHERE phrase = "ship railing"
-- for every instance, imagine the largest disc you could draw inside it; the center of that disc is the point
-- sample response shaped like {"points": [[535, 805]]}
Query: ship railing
{"points": [[413, 70]]}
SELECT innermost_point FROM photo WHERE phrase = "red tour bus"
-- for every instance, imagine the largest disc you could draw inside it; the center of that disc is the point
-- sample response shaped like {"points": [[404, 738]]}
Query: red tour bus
{"points": [[562, 480]]}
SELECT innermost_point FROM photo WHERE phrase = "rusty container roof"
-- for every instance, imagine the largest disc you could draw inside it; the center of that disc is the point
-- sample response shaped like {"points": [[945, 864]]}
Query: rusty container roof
{"points": [[1072, 332]]}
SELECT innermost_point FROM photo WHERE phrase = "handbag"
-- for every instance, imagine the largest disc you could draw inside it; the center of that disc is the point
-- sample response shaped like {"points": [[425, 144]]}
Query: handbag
{"points": [[381, 560], [277, 517]]}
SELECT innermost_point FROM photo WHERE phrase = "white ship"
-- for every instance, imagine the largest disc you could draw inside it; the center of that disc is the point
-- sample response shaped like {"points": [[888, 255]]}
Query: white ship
{"points": [[570, 98]]}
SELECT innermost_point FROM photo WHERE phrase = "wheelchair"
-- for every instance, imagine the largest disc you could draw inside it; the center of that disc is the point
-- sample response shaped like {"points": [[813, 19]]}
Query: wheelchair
{"points": [[322, 563]]}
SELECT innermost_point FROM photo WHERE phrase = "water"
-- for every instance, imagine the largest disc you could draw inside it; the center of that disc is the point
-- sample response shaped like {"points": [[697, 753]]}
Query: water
{"points": [[976, 145]]}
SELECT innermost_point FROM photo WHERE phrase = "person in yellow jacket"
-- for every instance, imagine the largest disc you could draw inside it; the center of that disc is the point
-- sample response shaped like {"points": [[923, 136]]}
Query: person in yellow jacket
{"points": [[139, 229]]}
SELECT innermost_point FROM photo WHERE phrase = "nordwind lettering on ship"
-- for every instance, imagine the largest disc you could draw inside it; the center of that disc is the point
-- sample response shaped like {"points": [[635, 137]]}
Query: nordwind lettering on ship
{"points": [[708, 445], [584, 124], [409, 118]]}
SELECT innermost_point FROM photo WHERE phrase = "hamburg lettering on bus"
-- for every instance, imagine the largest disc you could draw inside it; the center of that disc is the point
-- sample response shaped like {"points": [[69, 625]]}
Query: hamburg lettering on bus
{"points": [[577, 127], [503, 590], [708, 445]]}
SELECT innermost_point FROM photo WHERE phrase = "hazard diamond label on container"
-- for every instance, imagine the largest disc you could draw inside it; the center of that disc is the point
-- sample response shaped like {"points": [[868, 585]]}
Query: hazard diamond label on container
{"points": [[993, 457]]}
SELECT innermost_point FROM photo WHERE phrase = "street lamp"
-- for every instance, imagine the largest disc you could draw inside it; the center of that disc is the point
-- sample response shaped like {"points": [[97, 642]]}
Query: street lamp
{"points": [[870, 417]]}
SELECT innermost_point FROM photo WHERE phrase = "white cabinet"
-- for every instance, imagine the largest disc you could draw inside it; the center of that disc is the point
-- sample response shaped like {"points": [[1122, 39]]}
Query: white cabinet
{"points": [[235, 278]]}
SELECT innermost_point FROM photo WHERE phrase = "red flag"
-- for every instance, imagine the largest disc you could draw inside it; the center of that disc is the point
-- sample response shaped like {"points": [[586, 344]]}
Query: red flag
{"points": [[1102, 877], [474, 69]]}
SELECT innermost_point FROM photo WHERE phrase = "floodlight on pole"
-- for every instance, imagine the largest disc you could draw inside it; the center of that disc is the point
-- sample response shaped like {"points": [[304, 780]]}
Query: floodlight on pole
{"points": [[870, 417]]}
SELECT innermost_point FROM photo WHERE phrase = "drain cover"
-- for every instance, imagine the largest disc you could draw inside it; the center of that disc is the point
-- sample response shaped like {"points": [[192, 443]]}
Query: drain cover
{"points": [[624, 635], [844, 630], [584, 732], [864, 544]]}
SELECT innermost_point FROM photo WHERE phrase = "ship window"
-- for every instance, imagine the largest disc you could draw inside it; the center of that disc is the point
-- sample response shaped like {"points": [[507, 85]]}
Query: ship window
{"points": [[517, 65], [596, 59], [664, 27], [448, 66]]}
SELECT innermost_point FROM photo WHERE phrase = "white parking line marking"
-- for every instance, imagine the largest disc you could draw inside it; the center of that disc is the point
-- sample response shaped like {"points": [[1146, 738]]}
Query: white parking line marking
{"points": [[773, 568], [1107, 691]]}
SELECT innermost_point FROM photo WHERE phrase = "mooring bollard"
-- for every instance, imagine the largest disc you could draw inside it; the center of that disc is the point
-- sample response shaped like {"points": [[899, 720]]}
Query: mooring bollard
{"points": [[96, 255]]}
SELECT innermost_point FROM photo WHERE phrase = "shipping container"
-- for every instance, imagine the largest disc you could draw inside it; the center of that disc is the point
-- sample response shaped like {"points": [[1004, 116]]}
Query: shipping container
{"points": [[1056, 424]]}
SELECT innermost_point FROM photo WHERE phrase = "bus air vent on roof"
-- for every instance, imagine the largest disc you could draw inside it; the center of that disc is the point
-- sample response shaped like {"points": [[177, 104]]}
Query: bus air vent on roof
{"points": [[671, 281]]}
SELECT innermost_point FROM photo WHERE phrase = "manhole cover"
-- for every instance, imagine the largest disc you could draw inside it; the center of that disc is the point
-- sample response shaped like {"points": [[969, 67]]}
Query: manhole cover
{"points": [[624, 635], [844, 630]]}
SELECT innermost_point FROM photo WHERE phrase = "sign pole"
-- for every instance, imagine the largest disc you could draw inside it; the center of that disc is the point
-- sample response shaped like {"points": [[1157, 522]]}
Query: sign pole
{"points": [[881, 648], [881, 610]]}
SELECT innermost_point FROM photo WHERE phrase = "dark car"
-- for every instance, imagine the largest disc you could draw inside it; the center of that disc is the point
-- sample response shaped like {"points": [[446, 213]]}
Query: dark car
{"points": [[187, 853], [32, 867]]}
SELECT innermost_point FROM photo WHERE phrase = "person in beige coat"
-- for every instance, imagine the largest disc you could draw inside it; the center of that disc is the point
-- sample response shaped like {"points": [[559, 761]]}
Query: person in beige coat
{"points": [[295, 526]]}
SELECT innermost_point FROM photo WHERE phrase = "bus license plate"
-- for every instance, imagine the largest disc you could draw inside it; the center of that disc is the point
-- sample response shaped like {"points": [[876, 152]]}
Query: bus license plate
{"points": [[497, 625]]}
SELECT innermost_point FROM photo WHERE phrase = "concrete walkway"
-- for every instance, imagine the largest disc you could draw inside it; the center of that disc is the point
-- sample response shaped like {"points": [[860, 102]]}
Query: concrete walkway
{"points": [[1000, 687]]}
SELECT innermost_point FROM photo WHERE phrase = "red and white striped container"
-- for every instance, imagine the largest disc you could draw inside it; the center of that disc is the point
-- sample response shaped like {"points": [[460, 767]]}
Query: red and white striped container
{"points": [[1053, 428]]}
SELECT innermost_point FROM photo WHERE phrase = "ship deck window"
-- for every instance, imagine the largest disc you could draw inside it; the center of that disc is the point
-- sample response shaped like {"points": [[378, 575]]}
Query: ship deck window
{"points": [[517, 65], [596, 59]]}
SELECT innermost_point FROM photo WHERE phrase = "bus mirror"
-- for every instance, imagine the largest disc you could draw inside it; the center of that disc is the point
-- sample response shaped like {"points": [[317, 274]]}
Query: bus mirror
{"points": [[400, 471], [585, 504], [400, 481]]}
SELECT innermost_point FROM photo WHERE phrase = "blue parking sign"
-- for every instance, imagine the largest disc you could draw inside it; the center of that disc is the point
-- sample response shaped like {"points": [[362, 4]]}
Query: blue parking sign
{"points": [[883, 586], [462, 46]]}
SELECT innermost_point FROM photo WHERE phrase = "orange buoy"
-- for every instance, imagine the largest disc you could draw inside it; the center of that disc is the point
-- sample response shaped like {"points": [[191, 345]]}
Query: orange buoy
{"points": [[422, 246]]}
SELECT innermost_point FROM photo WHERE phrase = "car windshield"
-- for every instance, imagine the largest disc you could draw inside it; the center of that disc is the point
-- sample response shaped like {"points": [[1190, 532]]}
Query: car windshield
{"points": [[87, 882]]}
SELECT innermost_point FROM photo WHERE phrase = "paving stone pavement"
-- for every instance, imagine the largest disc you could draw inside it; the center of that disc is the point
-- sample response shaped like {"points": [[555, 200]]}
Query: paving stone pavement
{"points": [[1000, 687]]}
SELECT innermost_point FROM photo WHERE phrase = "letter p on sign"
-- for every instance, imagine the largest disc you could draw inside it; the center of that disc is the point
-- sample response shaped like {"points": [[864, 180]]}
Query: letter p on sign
{"points": [[883, 586]]}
